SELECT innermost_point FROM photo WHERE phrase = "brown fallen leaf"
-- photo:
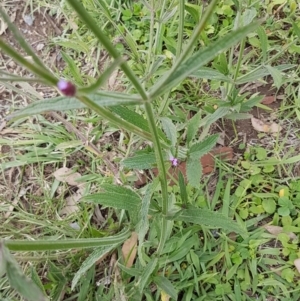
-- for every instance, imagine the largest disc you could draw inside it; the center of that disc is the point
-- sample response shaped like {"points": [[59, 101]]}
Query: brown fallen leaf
{"points": [[67, 175], [129, 249], [267, 100], [261, 126], [275, 230]]}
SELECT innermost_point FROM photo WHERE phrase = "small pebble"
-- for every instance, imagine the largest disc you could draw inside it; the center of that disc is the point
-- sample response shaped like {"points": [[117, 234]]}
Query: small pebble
{"points": [[28, 19]]}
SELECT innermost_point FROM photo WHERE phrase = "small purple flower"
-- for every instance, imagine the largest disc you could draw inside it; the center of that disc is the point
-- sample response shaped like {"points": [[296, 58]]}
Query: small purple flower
{"points": [[174, 161], [66, 88]]}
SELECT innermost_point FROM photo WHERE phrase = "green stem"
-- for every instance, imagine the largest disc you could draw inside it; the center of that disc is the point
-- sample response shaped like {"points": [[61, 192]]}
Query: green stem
{"points": [[150, 51], [105, 41], [162, 173], [181, 27]]}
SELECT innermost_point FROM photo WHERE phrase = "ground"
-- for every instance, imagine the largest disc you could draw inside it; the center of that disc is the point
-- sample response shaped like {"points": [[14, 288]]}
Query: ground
{"points": [[240, 180]]}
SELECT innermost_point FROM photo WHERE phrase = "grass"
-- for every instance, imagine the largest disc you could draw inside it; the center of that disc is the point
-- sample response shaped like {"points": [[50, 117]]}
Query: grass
{"points": [[261, 186]]}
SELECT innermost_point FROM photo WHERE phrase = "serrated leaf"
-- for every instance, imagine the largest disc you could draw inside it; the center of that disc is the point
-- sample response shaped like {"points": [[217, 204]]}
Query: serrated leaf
{"points": [[277, 77], [62, 103], [193, 172], [24, 286], [117, 197], [131, 116], [192, 127], [170, 130], [92, 259], [209, 218], [199, 59], [198, 150], [165, 285], [140, 161]]}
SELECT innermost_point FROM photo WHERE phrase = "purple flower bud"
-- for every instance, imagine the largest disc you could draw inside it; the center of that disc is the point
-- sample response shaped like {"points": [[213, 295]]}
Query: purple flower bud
{"points": [[174, 161], [66, 88]]}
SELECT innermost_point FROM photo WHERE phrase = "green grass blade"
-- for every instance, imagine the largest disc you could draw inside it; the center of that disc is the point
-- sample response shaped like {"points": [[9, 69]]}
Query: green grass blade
{"points": [[80, 243], [165, 284], [199, 59]]}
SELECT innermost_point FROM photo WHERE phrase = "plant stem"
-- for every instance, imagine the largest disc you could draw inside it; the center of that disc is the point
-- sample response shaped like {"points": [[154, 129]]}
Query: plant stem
{"points": [[162, 173], [181, 27], [105, 41]]}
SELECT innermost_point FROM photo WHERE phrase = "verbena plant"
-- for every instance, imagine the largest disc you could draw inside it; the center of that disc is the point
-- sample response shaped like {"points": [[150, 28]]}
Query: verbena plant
{"points": [[116, 108]]}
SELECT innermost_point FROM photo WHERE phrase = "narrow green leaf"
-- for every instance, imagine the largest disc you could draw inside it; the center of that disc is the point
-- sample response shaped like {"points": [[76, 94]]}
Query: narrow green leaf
{"points": [[199, 59], [193, 172], [24, 286], [192, 127], [140, 161], [116, 196], [226, 199], [165, 284], [199, 149], [37, 280], [147, 271], [209, 218], [170, 130], [143, 224], [263, 42], [65, 244], [86, 284], [260, 73], [210, 119], [63, 103], [277, 77], [90, 261], [212, 74], [296, 29]]}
